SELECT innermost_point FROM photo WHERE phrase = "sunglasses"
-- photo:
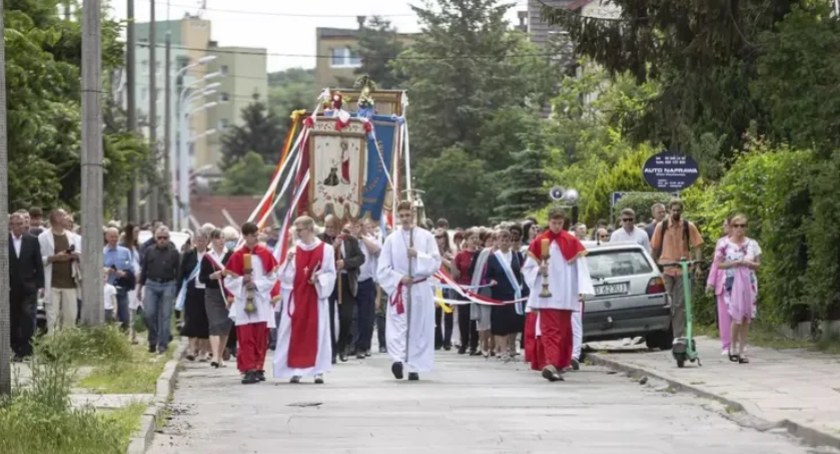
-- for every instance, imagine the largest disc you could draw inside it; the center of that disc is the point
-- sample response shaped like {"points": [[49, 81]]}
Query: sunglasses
{"points": [[627, 220], [162, 238], [739, 226], [603, 237]]}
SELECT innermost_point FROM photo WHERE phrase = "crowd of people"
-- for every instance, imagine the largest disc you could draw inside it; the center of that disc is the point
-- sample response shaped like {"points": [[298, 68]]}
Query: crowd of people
{"points": [[338, 286]]}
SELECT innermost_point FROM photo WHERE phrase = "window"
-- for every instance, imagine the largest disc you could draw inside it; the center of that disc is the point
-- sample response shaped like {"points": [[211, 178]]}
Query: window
{"points": [[224, 70], [344, 57], [224, 97], [223, 124], [617, 263]]}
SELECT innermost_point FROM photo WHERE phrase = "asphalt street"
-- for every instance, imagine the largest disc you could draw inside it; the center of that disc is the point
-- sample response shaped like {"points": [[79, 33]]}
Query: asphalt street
{"points": [[468, 404]]}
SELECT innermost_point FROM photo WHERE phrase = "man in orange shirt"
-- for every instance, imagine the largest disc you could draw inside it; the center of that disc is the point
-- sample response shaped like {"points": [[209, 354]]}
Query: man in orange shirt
{"points": [[674, 239]]}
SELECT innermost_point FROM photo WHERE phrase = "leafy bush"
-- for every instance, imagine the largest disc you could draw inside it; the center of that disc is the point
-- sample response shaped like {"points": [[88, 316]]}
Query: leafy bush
{"points": [[86, 346], [640, 202], [39, 417]]}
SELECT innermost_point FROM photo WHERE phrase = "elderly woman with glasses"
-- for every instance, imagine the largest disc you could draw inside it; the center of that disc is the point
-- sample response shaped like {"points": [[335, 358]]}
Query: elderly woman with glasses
{"points": [[739, 257]]}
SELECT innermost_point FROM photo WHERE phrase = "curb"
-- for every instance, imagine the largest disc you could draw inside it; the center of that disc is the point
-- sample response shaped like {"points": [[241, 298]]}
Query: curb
{"points": [[807, 435], [143, 437]]}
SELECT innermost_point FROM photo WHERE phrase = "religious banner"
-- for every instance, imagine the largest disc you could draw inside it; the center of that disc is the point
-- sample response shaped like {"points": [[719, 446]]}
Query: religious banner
{"points": [[337, 165], [381, 150]]}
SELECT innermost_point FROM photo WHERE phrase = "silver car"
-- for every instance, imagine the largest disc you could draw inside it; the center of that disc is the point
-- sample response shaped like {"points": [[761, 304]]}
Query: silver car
{"points": [[630, 298]]}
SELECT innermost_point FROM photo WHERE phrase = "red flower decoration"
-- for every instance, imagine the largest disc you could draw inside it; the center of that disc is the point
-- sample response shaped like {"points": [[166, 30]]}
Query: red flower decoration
{"points": [[309, 122], [339, 125], [368, 126]]}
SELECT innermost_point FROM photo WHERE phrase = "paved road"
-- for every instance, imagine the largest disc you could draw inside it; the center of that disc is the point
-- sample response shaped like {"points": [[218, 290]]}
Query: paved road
{"points": [[468, 405]]}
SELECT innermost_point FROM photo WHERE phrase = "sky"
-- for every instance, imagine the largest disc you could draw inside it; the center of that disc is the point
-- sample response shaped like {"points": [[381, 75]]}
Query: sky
{"points": [[281, 26]]}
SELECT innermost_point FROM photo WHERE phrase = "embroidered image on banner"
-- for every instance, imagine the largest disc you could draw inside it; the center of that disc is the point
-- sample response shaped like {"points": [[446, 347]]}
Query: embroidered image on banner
{"points": [[337, 162]]}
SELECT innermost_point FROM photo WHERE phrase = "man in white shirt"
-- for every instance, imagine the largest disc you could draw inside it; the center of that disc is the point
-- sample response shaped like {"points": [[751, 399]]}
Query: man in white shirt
{"points": [[629, 232]]}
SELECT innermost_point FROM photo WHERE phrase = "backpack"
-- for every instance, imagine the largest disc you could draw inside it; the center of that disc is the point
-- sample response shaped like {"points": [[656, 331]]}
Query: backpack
{"points": [[662, 238]]}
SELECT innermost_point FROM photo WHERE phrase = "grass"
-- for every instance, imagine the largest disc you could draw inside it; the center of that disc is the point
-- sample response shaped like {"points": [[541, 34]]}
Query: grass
{"points": [[39, 417], [768, 336], [137, 373], [126, 420], [117, 366]]}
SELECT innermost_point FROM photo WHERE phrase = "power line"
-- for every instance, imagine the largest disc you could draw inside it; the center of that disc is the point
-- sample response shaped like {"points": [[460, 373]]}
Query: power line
{"points": [[301, 15], [278, 14], [400, 57]]}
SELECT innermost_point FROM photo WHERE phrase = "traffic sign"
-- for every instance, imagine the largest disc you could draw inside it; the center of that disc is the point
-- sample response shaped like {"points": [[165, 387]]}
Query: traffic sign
{"points": [[668, 171]]}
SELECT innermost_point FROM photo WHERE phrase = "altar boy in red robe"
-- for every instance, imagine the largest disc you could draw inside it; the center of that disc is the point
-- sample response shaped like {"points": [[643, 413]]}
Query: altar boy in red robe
{"points": [[304, 345], [568, 280], [250, 278]]}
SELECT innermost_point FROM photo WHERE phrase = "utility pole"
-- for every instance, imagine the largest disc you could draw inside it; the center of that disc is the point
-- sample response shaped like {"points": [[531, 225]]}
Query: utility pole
{"points": [[167, 135], [153, 146], [131, 81], [5, 325], [92, 188]]}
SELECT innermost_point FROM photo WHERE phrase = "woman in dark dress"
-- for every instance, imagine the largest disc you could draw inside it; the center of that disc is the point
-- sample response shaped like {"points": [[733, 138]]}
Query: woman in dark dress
{"points": [[505, 276], [215, 301], [195, 316]]}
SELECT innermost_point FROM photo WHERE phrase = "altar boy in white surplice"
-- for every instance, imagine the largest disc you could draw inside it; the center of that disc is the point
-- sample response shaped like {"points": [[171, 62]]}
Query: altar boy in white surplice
{"points": [[304, 346], [419, 246]]}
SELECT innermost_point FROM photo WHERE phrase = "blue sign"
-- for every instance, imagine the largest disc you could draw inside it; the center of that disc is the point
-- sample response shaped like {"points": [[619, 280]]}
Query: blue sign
{"points": [[668, 171]]}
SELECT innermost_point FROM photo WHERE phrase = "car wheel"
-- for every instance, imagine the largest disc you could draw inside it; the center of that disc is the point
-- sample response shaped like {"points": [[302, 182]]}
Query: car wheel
{"points": [[662, 340]]}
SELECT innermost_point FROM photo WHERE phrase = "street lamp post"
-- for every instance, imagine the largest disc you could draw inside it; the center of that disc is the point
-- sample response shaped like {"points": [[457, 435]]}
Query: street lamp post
{"points": [[184, 164]]}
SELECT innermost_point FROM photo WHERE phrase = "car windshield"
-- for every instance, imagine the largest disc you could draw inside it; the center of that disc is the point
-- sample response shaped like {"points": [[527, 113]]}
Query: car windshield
{"points": [[617, 263]]}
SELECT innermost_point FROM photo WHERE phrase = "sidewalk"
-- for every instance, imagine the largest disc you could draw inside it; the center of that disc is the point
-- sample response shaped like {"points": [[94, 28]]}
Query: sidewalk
{"points": [[795, 389]]}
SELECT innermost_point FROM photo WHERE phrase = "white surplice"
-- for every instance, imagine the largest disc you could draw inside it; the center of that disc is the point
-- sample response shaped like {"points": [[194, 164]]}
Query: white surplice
{"points": [[324, 286], [567, 281], [392, 267], [264, 280]]}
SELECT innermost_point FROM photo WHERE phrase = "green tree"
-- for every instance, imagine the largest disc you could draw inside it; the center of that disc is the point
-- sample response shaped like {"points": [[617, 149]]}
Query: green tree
{"points": [[702, 53], [247, 176], [291, 90], [464, 66], [43, 78], [454, 168], [261, 132], [524, 185], [379, 44]]}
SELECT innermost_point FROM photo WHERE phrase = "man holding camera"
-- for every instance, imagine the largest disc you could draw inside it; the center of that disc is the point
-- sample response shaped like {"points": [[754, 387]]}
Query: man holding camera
{"points": [[60, 251]]}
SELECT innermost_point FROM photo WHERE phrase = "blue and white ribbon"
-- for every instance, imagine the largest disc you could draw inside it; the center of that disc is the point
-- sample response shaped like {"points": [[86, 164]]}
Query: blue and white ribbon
{"points": [[182, 294], [517, 289]]}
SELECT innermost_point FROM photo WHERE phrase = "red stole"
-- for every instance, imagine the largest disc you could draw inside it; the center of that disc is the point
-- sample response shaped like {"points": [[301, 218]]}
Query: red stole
{"points": [[570, 247], [303, 340]]}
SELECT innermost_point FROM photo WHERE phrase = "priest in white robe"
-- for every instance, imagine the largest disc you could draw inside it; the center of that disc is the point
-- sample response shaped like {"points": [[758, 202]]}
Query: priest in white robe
{"points": [[568, 282], [250, 278], [407, 262], [304, 346]]}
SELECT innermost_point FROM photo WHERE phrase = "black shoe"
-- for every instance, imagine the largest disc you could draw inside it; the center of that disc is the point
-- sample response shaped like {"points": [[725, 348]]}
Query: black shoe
{"points": [[360, 356], [250, 378], [550, 373], [214, 364], [333, 360], [413, 376], [462, 350], [383, 350], [475, 353], [152, 349], [17, 359], [397, 370], [575, 364], [367, 353], [261, 375], [190, 357], [342, 357], [447, 347]]}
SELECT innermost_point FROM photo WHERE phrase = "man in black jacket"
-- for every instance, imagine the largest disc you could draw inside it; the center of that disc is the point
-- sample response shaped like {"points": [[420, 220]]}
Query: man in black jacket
{"points": [[26, 278], [349, 258]]}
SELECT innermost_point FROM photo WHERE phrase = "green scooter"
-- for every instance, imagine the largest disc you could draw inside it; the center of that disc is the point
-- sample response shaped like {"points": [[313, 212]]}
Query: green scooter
{"points": [[684, 348]]}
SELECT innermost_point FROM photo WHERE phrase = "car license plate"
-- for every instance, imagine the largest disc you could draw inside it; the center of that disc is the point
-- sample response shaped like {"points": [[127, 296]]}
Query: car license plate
{"points": [[612, 289]]}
